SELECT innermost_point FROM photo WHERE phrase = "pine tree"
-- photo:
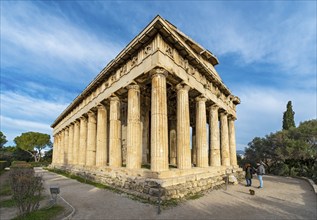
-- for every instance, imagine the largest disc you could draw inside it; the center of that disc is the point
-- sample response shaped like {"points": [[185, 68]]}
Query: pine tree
{"points": [[288, 117]]}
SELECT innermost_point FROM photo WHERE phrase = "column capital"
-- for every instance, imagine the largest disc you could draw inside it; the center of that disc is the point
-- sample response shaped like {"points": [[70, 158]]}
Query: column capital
{"points": [[182, 86], [213, 107], [158, 71], [100, 106], [83, 118], [201, 98], [91, 114], [232, 117], [223, 113], [114, 98], [133, 86]]}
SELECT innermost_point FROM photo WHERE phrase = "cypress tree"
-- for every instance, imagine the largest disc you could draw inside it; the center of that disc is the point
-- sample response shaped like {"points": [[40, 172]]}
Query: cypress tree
{"points": [[288, 117]]}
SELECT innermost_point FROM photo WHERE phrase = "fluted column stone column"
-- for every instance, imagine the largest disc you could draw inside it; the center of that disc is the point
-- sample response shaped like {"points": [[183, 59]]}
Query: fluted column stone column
{"points": [[76, 143], [66, 145], [159, 126], [54, 149], [60, 146], [134, 146], [102, 139], [225, 158], [82, 141], [214, 139], [183, 127], [232, 142], [91, 139], [115, 159], [194, 149], [201, 132], [173, 140], [70, 143]]}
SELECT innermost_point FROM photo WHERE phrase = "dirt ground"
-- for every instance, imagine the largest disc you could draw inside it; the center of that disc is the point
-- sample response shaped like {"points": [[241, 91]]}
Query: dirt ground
{"points": [[281, 198]]}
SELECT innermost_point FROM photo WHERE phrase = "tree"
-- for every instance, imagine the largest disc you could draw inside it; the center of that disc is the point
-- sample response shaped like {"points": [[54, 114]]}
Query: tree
{"points": [[3, 139], [288, 117], [13, 153], [33, 143]]}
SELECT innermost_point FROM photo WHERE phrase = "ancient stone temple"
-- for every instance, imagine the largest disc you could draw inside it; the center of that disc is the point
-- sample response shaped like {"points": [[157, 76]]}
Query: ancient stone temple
{"points": [[157, 116]]}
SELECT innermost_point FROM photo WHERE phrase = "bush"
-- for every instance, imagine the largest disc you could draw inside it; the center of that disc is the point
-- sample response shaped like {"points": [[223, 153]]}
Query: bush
{"points": [[4, 164], [40, 164], [20, 164], [26, 187], [280, 169]]}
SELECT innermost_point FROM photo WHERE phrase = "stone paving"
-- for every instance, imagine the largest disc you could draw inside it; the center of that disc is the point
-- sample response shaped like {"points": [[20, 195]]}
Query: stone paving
{"points": [[281, 198]]}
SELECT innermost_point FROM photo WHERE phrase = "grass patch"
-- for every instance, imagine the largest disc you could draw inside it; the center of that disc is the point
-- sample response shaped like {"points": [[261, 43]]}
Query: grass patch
{"points": [[42, 214], [5, 189], [7, 203], [2, 172], [85, 180], [195, 196]]}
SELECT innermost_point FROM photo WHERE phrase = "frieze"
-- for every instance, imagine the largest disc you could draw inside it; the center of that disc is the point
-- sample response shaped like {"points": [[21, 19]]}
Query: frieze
{"points": [[147, 50], [134, 61], [169, 51]]}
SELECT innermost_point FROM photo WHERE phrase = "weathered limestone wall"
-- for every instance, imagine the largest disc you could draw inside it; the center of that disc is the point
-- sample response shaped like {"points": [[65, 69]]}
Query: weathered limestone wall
{"points": [[143, 183]]}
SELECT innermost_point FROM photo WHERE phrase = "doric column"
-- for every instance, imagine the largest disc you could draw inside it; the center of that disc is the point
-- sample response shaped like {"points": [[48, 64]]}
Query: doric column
{"points": [[76, 143], [159, 126], [91, 139], [201, 132], [70, 143], [194, 149], [232, 142], [183, 127], [54, 149], [225, 159], [115, 159], [82, 140], [173, 140], [66, 145], [214, 137], [102, 139], [134, 147], [59, 151]]}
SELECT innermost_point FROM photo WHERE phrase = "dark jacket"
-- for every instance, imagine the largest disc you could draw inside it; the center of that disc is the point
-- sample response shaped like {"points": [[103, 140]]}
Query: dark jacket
{"points": [[248, 172]]}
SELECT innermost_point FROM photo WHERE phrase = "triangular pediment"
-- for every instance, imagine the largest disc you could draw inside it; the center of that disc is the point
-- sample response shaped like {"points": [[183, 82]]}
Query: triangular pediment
{"points": [[196, 55]]}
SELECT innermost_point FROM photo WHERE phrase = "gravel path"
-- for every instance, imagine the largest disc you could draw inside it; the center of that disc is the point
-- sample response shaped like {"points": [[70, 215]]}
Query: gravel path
{"points": [[281, 198]]}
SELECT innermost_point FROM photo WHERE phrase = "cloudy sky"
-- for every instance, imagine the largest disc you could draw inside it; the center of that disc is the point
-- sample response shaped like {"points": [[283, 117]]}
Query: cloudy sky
{"points": [[50, 51]]}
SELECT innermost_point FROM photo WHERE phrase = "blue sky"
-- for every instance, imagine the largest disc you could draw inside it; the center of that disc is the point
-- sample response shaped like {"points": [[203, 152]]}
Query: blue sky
{"points": [[50, 51]]}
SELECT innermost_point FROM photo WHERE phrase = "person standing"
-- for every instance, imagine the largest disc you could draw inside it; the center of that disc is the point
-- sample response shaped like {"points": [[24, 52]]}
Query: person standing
{"points": [[260, 171], [248, 174]]}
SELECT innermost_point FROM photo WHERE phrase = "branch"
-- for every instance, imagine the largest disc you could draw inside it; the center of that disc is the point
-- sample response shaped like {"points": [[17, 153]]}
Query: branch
{"points": [[33, 155]]}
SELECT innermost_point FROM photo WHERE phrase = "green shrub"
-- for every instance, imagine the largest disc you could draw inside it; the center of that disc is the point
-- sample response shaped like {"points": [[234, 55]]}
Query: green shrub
{"points": [[280, 169], [20, 164], [40, 164], [4, 164], [26, 187]]}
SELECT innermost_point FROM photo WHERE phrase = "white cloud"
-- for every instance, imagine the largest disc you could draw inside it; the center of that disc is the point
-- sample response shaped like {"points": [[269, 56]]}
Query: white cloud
{"points": [[12, 127], [38, 38], [261, 111], [22, 113], [265, 35], [23, 106]]}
